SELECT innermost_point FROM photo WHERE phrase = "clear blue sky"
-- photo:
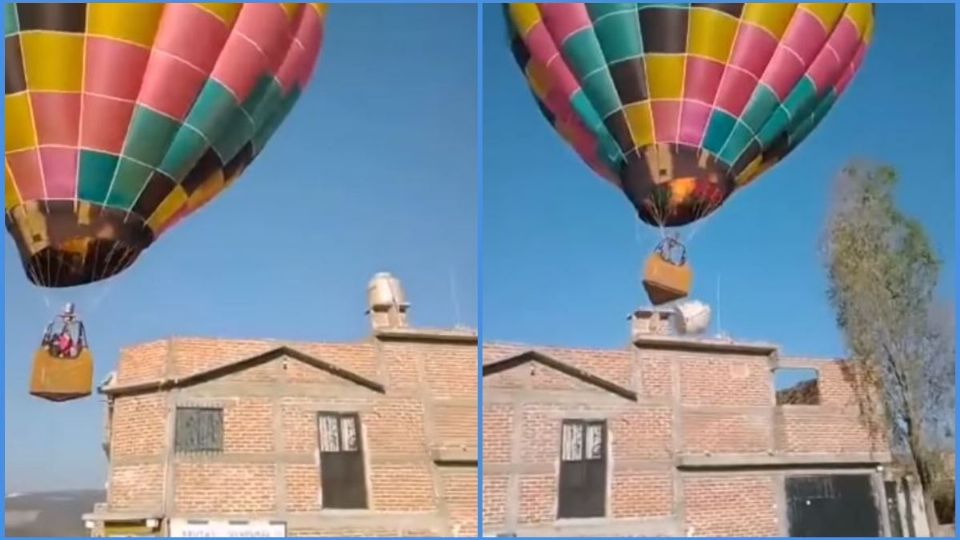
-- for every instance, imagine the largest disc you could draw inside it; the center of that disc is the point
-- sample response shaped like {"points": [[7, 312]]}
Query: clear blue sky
{"points": [[560, 256], [374, 170]]}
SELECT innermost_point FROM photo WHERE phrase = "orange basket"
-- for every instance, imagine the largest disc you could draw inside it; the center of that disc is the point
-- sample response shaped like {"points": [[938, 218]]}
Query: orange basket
{"points": [[61, 379], [665, 281]]}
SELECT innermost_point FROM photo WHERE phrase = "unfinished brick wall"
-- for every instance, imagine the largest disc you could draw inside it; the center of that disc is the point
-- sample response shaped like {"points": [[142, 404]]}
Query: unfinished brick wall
{"points": [[269, 466], [712, 406], [460, 497], [712, 380], [224, 489], [143, 363], [439, 385], [138, 426], [640, 494], [730, 505], [836, 425], [135, 487]]}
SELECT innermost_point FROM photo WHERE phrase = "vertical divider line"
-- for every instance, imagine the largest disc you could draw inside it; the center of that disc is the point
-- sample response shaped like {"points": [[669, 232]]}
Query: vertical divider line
{"points": [[479, 180], [956, 172]]}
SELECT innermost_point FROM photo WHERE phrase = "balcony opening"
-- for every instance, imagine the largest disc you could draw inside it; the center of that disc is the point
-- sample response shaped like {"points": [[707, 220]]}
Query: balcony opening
{"points": [[797, 386]]}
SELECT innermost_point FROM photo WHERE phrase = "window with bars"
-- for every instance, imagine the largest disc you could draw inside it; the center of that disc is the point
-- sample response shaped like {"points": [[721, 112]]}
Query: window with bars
{"points": [[342, 478], [199, 429], [583, 469]]}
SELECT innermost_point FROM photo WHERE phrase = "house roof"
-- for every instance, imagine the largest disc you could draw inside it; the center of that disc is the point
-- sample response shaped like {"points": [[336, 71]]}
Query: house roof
{"points": [[222, 369], [614, 365], [565, 367], [183, 357]]}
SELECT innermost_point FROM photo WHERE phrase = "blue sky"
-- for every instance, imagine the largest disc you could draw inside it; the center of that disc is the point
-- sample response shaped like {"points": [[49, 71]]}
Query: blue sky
{"points": [[560, 255], [374, 170]]}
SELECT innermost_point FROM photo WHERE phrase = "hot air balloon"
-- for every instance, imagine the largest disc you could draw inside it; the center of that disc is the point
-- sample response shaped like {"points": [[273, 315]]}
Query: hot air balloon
{"points": [[122, 119], [681, 105]]}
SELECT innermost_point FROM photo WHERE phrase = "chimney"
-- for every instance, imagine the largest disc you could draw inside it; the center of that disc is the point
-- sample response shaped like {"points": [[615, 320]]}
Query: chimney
{"points": [[386, 303], [650, 322]]}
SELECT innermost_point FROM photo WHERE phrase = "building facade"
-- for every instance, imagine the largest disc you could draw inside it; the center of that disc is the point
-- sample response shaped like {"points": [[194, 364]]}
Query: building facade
{"points": [[212, 437], [677, 437]]}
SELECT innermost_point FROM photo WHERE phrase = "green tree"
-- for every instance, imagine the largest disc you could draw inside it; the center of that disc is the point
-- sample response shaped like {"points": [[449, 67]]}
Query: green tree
{"points": [[883, 275]]}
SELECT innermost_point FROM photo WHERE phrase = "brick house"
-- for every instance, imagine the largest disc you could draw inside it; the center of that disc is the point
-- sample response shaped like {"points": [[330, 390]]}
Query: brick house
{"points": [[375, 438], [675, 436]]}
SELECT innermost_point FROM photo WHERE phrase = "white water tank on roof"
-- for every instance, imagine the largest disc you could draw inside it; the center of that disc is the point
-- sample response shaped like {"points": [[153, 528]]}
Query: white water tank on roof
{"points": [[385, 292], [691, 317]]}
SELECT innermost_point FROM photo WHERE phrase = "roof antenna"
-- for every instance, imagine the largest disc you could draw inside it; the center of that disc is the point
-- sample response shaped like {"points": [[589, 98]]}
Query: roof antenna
{"points": [[719, 326], [453, 296]]}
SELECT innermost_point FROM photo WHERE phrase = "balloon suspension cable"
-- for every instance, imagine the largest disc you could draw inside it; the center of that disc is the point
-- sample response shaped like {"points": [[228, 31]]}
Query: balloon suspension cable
{"points": [[658, 217], [46, 255], [702, 209], [109, 269], [700, 223], [99, 297], [60, 266], [47, 300]]}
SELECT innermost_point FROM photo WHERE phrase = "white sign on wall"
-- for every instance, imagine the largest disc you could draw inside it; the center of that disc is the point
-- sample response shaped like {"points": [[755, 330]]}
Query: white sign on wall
{"points": [[227, 528]]}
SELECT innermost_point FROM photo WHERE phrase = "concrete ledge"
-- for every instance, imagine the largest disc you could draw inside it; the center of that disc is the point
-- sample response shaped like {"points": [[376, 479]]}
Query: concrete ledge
{"points": [[703, 345], [779, 460], [122, 516], [338, 519], [454, 456], [658, 527], [359, 519], [634, 465], [468, 337], [807, 363], [512, 395]]}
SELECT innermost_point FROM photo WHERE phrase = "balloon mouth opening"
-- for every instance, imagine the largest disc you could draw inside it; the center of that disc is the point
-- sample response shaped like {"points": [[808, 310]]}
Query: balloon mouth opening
{"points": [[71, 243], [682, 201], [58, 268]]}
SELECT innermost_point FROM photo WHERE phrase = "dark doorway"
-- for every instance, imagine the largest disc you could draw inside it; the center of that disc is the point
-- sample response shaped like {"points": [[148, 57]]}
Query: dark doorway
{"points": [[835, 505], [342, 480], [583, 469]]}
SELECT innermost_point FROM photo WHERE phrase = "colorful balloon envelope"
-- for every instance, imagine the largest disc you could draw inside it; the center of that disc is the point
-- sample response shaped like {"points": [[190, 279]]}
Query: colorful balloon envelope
{"points": [[680, 105], [122, 119]]}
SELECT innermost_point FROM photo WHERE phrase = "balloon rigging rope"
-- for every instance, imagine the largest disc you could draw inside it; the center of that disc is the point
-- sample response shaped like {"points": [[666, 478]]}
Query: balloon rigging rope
{"points": [[698, 224], [46, 270], [95, 304], [639, 235], [59, 269], [108, 286]]}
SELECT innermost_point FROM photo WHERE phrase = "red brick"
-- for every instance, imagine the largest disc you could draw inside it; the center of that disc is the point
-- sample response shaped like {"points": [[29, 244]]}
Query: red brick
{"points": [[242, 480], [688, 404]]}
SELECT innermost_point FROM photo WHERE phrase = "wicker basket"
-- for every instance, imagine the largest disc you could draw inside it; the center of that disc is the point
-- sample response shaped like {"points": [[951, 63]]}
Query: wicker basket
{"points": [[665, 281], [61, 379]]}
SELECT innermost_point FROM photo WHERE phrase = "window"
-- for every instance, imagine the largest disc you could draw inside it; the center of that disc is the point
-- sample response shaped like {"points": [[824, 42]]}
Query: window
{"points": [[583, 469], [796, 386], [342, 479], [199, 429]]}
